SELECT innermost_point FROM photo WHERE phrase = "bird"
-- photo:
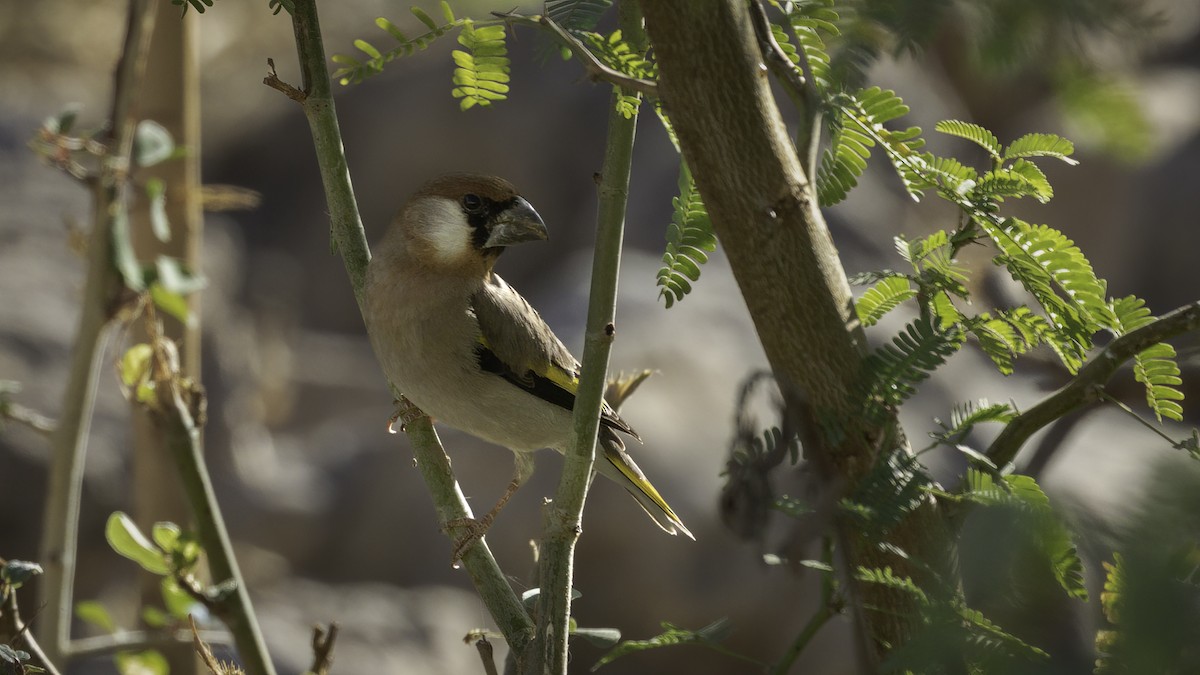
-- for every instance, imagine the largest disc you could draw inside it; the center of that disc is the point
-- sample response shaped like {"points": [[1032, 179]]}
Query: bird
{"points": [[469, 351]]}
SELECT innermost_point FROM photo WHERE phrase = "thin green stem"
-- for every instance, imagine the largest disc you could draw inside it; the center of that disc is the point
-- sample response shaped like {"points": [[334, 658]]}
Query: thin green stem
{"points": [[1140, 420], [350, 240], [61, 525], [819, 618], [491, 584], [564, 515], [183, 443], [138, 640], [346, 227]]}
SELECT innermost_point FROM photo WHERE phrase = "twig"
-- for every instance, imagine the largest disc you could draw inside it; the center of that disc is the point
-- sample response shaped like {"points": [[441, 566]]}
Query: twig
{"points": [[173, 415], [12, 628], [1178, 445], [1088, 384], [596, 69], [777, 59], [15, 412], [797, 86], [485, 655], [137, 640], [347, 232], [203, 651], [272, 80], [563, 515], [322, 645], [60, 534], [830, 607]]}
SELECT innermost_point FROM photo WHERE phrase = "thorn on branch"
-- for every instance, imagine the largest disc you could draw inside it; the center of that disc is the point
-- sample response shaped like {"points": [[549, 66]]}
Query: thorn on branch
{"points": [[272, 80]]}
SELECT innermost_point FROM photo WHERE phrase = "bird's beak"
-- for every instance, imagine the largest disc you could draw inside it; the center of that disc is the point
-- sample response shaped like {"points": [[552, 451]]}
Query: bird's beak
{"points": [[516, 224]]}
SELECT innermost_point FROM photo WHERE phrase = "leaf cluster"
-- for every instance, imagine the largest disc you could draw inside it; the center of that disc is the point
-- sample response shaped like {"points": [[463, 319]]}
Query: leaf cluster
{"points": [[354, 70], [690, 239], [1073, 302], [166, 280]]}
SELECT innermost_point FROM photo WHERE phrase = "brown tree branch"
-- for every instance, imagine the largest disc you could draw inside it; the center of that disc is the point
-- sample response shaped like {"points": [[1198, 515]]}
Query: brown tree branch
{"points": [[764, 209], [596, 69], [1088, 385]]}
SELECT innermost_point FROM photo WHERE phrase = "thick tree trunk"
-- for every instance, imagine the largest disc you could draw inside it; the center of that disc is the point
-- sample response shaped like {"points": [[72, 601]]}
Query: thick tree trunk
{"points": [[715, 87]]}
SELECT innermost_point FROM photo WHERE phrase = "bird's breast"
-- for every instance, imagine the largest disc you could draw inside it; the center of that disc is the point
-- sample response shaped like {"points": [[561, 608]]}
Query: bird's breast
{"points": [[426, 346]]}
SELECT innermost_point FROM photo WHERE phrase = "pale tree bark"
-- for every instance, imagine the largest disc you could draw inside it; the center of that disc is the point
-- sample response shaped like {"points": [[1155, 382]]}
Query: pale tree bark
{"points": [[714, 84]]}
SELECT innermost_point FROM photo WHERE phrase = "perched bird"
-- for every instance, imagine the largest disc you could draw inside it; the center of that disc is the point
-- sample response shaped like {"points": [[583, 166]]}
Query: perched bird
{"points": [[467, 349]]}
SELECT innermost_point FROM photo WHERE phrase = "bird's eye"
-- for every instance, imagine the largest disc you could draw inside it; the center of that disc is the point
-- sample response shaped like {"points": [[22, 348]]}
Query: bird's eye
{"points": [[472, 203]]}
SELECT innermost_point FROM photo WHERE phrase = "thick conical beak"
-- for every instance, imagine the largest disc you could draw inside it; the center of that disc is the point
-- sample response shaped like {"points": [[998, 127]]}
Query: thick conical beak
{"points": [[516, 224]]}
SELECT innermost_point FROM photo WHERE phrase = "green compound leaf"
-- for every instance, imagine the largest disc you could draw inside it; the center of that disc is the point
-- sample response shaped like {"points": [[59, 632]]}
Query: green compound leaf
{"points": [[690, 238], [481, 75], [1155, 366], [1041, 145], [672, 635], [1051, 535], [971, 132], [882, 298], [354, 70]]}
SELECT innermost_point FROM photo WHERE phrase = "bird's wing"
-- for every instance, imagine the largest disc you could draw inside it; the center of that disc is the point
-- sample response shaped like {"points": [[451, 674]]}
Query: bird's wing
{"points": [[516, 344]]}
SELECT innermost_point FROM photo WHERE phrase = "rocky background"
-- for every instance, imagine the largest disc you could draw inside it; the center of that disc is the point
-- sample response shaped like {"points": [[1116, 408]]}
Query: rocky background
{"points": [[328, 513]]}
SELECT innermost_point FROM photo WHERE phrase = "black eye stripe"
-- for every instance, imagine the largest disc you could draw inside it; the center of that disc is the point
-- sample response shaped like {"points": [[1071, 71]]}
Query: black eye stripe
{"points": [[480, 218]]}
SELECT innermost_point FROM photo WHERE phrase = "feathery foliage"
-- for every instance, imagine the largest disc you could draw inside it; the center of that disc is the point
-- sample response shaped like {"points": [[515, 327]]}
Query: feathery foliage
{"points": [[882, 298], [614, 52], [481, 72], [690, 238], [965, 416], [1025, 496], [577, 15], [894, 370], [893, 488], [1154, 367], [858, 127], [353, 70], [811, 20], [672, 635], [972, 132]]}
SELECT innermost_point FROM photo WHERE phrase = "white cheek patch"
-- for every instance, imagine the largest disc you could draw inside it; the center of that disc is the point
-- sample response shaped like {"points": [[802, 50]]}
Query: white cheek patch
{"points": [[445, 227]]}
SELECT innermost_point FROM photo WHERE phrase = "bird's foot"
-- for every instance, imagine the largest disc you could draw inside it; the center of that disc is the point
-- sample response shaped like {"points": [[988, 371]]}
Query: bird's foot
{"points": [[472, 530], [406, 413]]}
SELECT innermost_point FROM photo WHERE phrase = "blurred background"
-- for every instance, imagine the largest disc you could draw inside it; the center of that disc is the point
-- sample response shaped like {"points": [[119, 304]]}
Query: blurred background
{"points": [[328, 514]]}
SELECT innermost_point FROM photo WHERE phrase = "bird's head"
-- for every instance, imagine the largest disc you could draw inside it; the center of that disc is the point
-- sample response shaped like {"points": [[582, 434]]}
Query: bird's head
{"points": [[465, 220]]}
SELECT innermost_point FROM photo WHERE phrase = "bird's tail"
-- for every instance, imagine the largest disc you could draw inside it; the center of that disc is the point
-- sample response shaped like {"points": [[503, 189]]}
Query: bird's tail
{"points": [[617, 465]]}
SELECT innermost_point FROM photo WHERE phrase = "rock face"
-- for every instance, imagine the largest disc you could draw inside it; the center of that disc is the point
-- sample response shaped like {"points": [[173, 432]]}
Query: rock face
{"points": [[330, 517]]}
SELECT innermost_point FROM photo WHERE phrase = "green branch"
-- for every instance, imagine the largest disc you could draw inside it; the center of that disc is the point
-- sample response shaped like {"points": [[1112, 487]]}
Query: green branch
{"points": [[182, 439], [564, 514], [69, 440], [1088, 385], [350, 240]]}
